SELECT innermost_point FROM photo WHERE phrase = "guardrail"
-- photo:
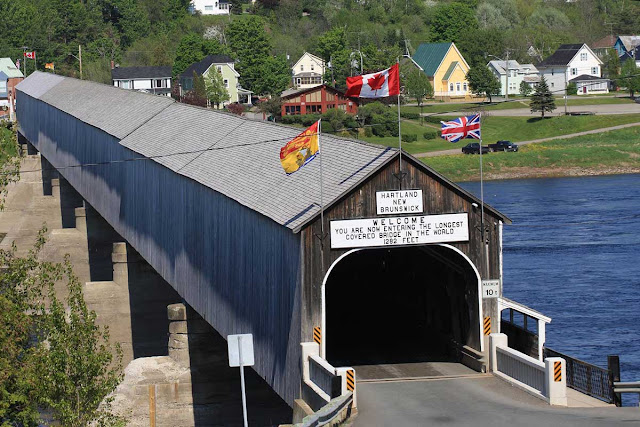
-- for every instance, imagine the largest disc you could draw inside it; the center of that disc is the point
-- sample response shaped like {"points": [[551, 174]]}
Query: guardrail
{"points": [[521, 367], [629, 387], [544, 380], [590, 379], [336, 411], [322, 374]]}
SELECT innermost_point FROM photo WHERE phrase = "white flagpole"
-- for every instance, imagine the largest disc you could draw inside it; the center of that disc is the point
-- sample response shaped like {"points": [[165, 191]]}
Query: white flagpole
{"points": [[321, 194], [399, 128], [484, 256]]}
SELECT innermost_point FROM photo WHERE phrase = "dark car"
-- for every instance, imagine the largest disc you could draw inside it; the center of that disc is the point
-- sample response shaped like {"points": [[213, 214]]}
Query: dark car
{"points": [[503, 146], [474, 148]]}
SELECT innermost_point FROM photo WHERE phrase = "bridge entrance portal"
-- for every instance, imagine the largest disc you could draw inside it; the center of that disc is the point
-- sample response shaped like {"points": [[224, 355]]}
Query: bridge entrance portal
{"points": [[401, 305]]}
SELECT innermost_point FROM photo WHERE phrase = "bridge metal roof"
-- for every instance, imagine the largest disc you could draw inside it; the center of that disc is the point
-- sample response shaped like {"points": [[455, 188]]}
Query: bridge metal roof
{"points": [[232, 155]]}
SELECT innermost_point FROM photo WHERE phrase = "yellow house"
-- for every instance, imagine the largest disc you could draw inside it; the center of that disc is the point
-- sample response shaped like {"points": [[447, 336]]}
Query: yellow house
{"points": [[446, 68]]}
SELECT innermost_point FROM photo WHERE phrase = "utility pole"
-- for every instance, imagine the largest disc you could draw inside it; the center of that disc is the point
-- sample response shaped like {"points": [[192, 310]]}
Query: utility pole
{"points": [[24, 63], [80, 59], [565, 91], [506, 95]]}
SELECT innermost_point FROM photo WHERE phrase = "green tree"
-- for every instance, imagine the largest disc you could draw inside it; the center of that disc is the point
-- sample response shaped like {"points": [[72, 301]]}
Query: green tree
{"points": [[630, 77], [477, 45], [418, 86], [275, 76], [611, 67], [572, 89], [451, 20], [214, 87], [271, 107], [332, 41], [542, 99], [199, 87], [525, 89], [251, 46], [483, 82]]}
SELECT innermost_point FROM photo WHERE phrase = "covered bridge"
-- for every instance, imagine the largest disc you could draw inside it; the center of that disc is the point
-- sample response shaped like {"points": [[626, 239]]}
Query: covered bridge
{"points": [[201, 195]]}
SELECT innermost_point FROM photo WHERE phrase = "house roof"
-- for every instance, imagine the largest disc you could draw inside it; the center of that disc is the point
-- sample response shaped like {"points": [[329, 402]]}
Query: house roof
{"points": [[629, 42], [587, 77], [562, 56], [202, 66], [125, 73], [312, 56], [605, 42], [308, 74], [232, 155], [531, 79], [290, 93], [452, 67], [429, 56], [9, 68]]}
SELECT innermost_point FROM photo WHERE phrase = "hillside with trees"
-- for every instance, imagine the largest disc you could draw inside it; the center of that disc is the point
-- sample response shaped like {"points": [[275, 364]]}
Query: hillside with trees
{"points": [[267, 37]]}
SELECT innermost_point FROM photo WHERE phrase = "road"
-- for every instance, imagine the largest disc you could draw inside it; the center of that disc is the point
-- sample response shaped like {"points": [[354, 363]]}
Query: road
{"points": [[472, 401], [571, 135], [602, 109]]}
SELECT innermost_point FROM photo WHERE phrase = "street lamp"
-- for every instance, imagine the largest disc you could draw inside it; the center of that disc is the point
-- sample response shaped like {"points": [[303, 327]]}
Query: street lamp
{"points": [[506, 91]]}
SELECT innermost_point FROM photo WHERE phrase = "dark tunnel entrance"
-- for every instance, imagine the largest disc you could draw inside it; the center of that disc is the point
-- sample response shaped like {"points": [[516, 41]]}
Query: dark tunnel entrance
{"points": [[401, 305]]}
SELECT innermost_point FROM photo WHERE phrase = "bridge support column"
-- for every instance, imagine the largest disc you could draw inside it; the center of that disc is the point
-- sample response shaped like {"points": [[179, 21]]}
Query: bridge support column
{"points": [[70, 199], [188, 333], [48, 174]]}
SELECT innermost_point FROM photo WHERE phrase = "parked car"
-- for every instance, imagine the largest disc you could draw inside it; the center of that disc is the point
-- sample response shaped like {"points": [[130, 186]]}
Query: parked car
{"points": [[503, 146], [474, 148]]}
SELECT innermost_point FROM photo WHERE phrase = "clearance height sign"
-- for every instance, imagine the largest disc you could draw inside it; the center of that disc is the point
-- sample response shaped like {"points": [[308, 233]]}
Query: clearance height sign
{"points": [[394, 231]]}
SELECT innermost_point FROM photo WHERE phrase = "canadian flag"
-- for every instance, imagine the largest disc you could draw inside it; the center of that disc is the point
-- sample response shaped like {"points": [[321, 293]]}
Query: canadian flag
{"points": [[30, 55], [376, 85]]}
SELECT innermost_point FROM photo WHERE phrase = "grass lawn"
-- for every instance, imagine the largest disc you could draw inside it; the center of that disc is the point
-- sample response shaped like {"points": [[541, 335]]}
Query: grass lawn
{"points": [[8, 147], [600, 152], [511, 128]]}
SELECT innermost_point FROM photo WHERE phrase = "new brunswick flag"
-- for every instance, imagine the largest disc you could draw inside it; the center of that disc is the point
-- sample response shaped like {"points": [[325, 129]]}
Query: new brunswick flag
{"points": [[300, 150]]}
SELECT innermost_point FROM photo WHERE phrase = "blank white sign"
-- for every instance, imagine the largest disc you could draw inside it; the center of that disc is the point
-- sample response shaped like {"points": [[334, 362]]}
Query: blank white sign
{"points": [[239, 342]]}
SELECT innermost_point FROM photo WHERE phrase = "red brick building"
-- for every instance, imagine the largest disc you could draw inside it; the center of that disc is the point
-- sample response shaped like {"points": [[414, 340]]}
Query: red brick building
{"points": [[316, 100]]}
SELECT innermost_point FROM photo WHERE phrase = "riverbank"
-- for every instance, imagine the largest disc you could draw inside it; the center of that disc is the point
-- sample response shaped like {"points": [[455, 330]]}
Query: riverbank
{"points": [[608, 153]]}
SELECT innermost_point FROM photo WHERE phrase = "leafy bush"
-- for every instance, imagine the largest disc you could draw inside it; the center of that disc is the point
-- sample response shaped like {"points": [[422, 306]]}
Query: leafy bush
{"points": [[572, 89], [410, 116], [368, 132], [409, 137], [236, 109], [431, 134]]}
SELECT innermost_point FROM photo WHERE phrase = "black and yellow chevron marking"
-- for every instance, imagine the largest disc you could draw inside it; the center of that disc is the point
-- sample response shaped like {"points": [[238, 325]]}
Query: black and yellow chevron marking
{"points": [[557, 371], [351, 380], [487, 325], [317, 334]]}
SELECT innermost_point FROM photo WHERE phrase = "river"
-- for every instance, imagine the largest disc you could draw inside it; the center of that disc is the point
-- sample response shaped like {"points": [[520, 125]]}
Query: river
{"points": [[573, 253]]}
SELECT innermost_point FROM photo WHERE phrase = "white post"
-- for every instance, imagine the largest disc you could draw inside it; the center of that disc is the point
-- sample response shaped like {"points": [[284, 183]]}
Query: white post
{"points": [[555, 381], [541, 339], [495, 341], [244, 397], [399, 131]]}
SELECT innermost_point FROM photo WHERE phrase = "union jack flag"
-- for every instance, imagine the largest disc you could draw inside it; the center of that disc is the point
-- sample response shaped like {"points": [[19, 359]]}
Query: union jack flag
{"points": [[460, 128]]}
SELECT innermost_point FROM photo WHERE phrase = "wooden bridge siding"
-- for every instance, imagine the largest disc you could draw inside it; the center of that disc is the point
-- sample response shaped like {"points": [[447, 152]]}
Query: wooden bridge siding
{"points": [[439, 198], [237, 268]]}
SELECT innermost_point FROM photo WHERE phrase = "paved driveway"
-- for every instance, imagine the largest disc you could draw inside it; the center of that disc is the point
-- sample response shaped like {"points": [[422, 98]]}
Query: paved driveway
{"points": [[472, 401]]}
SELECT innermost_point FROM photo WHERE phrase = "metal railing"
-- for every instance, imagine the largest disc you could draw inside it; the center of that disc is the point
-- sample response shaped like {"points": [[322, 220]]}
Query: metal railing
{"points": [[521, 367], [587, 378]]}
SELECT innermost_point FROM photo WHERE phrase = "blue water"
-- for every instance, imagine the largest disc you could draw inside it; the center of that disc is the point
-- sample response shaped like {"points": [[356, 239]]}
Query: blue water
{"points": [[573, 253]]}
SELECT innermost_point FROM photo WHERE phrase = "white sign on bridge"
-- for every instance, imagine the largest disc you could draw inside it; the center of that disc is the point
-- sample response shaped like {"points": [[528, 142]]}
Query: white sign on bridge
{"points": [[394, 231], [399, 202], [490, 289]]}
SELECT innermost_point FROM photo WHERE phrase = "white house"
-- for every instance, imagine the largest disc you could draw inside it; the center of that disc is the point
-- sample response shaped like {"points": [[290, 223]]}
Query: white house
{"points": [[574, 63], [156, 80], [308, 71], [517, 74], [211, 7]]}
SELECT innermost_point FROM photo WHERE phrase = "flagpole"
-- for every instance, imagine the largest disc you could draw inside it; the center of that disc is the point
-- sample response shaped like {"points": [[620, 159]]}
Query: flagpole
{"points": [[484, 255], [321, 192], [399, 128]]}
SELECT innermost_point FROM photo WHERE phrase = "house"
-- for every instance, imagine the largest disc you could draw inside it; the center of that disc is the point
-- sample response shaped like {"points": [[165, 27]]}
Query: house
{"points": [[601, 46], [574, 63], [446, 68], [316, 100], [211, 7], [308, 71], [156, 80], [222, 64], [633, 55], [518, 73], [10, 76], [626, 44]]}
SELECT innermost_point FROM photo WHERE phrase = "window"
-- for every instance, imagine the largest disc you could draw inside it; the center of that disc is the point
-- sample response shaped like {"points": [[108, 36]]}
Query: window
{"points": [[301, 67], [464, 86], [126, 84], [458, 87], [594, 71], [552, 70], [219, 68], [514, 73], [574, 71], [583, 56], [311, 67], [552, 84], [226, 83], [450, 87], [298, 80], [208, 8], [159, 83]]}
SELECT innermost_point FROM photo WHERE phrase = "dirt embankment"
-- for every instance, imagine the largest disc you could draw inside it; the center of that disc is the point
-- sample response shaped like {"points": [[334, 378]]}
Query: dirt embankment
{"points": [[527, 172]]}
